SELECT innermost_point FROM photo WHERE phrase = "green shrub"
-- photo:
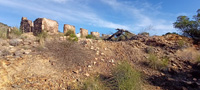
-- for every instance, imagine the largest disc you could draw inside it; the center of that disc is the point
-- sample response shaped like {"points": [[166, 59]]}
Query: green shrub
{"points": [[68, 33], [72, 36], [41, 36], [181, 43], [93, 83], [164, 63], [16, 31], [125, 78], [90, 37], [3, 34], [198, 59], [144, 33], [155, 63]]}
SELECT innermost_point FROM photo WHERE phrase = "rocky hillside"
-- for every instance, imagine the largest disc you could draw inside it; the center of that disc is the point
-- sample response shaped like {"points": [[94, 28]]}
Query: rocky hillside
{"points": [[3, 26], [29, 62]]}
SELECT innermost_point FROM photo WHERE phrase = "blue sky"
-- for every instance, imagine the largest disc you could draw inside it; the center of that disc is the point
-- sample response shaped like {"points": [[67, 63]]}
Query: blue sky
{"points": [[104, 16]]}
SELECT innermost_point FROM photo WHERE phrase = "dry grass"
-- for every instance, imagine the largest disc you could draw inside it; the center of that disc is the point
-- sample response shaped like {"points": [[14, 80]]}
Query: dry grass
{"points": [[67, 54]]}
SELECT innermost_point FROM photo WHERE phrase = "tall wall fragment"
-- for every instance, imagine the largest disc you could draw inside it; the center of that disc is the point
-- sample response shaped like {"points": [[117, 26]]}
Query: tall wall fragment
{"points": [[84, 32], [26, 25], [68, 27]]}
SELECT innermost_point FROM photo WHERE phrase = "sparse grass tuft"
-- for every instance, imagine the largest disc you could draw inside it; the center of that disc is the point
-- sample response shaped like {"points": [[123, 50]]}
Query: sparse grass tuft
{"points": [[41, 37], [93, 83], [181, 43], [198, 59], [123, 77], [126, 78], [68, 33], [155, 63], [3, 34], [90, 37], [71, 36]]}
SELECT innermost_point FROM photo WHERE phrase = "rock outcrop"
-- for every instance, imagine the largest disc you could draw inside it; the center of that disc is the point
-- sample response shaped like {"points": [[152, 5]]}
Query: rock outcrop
{"points": [[45, 25], [95, 34], [68, 27], [26, 25], [84, 32]]}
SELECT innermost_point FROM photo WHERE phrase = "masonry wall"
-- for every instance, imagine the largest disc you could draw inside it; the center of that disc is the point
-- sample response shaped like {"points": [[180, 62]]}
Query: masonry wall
{"points": [[45, 25], [26, 25], [68, 27], [84, 32], [96, 34]]}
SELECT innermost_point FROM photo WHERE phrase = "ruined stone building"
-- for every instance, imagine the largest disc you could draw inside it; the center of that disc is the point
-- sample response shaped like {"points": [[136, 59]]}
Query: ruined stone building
{"points": [[96, 34], [51, 27], [68, 27], [26, 25], [45, 25], [84, 32]]}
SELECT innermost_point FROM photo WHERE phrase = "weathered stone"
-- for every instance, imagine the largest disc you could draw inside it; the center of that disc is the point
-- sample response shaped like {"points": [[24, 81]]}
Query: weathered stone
{"points": [[68, 27], [15, 42], [96, 34], [26, 25], [84, 32], [45, 25]]}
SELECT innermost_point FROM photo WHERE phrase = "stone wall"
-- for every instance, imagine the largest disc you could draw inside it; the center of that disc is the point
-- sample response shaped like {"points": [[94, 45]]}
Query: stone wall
{"points": [[84, 32], [45, 25], [68, 27], [96, 34], [26, 25]]}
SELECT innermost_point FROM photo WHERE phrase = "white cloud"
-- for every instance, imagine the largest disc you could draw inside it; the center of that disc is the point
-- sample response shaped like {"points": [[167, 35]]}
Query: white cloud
{"points": [[143, 16]]}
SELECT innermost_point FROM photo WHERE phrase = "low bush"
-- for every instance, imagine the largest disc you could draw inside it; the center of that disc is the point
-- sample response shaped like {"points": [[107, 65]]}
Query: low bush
{"points": [[123, 77], [90, 37], [68, 33], [155, 63], [41, 37], [93, 83], [71, 36], [126, 78], [144, 33], [181, 43]]}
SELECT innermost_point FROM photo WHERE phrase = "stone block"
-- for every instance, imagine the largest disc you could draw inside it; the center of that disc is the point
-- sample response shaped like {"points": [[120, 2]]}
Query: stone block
{"points": [[95, 34], [84, 32], [68, 27]]}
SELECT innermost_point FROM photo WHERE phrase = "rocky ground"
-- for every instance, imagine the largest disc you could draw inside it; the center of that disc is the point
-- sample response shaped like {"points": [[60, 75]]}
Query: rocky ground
{"points": [[53, 63]]}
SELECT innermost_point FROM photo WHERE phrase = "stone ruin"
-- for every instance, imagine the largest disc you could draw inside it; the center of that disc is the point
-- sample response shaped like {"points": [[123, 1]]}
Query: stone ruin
{"points": [[51, 27], [68, 27], [26, 25], [95, 34], [84, 32], [46, 25]]}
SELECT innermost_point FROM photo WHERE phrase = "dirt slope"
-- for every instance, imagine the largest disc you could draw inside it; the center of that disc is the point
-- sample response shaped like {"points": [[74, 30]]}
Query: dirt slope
{"points": [[58, 64]]}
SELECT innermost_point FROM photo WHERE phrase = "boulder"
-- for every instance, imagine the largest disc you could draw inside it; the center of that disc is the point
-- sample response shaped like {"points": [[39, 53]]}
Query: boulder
{"points": [[15, 42]]}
